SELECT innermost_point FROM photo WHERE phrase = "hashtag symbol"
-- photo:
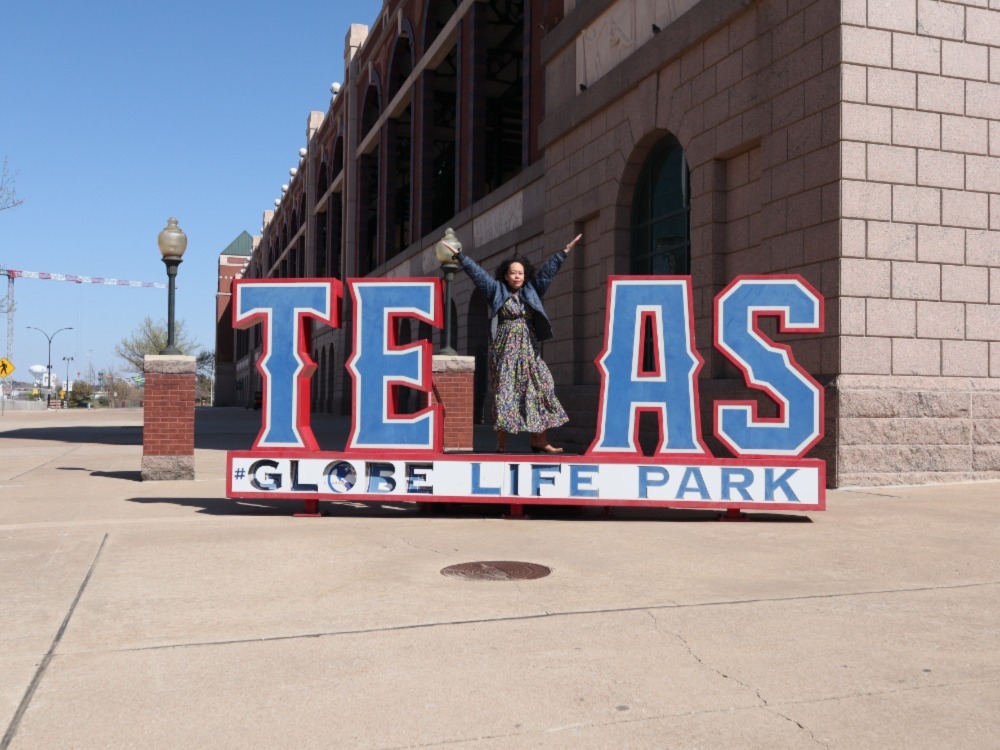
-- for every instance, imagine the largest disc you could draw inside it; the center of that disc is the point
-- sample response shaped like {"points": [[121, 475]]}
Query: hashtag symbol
{"points": [[240, 473]]}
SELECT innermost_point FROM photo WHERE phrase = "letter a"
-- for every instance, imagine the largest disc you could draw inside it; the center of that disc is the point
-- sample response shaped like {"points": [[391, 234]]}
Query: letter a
{"points": [[657, 373]]}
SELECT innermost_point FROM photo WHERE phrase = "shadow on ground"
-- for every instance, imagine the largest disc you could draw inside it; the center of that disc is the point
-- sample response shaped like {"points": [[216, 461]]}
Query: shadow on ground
{"points": [[214, 506], [218, 428], [130, 476], [110, 435]]}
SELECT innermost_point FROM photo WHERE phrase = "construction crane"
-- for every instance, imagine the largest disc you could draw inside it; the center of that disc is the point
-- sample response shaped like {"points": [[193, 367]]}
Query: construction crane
{"points": [[9, 305]]}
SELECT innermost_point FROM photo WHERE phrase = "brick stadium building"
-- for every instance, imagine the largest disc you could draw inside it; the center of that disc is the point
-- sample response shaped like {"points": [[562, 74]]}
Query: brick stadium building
{"points": [[855, 143]]}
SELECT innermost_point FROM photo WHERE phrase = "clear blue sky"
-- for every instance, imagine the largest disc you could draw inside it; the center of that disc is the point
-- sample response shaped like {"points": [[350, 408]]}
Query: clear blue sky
{"points": [[117, 115]]}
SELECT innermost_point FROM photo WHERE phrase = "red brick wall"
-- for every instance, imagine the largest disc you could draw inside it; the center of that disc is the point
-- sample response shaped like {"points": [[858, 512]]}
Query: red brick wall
{"points": [[453, 390], [168, 422]]}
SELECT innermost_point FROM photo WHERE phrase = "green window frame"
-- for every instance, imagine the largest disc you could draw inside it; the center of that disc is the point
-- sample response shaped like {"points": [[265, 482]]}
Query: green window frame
{"points": [[661, 213]]}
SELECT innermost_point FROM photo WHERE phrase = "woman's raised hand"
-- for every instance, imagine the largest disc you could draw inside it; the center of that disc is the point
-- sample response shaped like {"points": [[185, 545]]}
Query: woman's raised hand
{"points": [[573, 243], [453, 250]]}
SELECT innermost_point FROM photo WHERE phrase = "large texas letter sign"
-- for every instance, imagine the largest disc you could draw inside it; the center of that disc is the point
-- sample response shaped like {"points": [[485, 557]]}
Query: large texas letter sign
{"points": [[649, 363]]}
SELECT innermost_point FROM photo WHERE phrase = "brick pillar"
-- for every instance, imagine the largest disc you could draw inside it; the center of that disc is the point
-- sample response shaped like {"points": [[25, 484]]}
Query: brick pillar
{"points": [[168, 421], [453, 386]]}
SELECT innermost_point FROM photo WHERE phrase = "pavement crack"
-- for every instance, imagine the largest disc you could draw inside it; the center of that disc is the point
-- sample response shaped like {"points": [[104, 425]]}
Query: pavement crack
{"points": [[656, 623], [44, 463], [422, 549], [756, 691], [544, 733], [15, 722], [720, 673], [543, 615], [801, 726], [891, 691], [869, 492]]}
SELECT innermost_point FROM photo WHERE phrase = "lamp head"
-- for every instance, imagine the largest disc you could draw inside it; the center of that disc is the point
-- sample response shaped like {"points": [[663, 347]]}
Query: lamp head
{"points": [[172, 241], [445, 255]]}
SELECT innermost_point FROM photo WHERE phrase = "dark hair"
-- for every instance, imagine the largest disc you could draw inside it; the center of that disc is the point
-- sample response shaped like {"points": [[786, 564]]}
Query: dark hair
{"points": [[529, 270]]}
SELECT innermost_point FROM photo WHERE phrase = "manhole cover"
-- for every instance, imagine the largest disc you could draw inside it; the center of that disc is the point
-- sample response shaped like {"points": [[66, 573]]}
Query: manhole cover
{"points": [[496, 570]]}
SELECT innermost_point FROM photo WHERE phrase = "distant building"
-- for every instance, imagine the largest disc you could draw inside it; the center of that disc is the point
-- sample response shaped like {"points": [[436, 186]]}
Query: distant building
{"points": [[856, 144], [232, 261]]}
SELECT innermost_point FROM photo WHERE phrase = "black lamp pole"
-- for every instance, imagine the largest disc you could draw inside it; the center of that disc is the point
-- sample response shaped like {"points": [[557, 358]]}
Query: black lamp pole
{"points": [[48, 390], [172, 242], [171, 264], [448, 271]]}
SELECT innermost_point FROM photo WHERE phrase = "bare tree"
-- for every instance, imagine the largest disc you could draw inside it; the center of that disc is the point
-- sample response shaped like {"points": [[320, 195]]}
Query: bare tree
{"points": [[150, 337], [8, 193]]}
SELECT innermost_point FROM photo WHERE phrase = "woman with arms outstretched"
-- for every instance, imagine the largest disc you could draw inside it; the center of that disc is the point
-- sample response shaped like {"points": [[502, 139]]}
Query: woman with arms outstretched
{"points": [[523, 390]]}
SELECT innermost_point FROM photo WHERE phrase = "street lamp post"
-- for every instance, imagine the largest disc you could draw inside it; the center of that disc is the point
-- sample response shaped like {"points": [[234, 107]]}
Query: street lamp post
{"points": [[172, 242], [445, 250], [67, 360], [48, 368]]}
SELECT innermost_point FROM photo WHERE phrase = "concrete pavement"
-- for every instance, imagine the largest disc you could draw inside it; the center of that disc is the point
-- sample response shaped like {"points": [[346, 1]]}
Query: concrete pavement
{"points": [[163, 615]]}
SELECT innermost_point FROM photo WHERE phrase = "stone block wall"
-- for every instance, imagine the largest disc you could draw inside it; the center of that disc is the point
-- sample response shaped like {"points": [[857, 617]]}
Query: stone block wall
{"points": [[920, 283], [751, 91], [917, 430]]}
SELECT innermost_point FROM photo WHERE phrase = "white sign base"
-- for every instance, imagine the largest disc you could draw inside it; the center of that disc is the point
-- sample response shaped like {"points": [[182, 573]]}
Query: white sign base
{"points": [[526, 480]]}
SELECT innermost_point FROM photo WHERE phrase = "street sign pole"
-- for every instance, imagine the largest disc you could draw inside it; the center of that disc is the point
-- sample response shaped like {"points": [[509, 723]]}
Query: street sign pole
{"points": [[6, 369]]}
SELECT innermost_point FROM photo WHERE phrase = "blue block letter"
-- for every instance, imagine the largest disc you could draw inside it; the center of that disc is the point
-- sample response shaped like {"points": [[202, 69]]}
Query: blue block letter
{"points": [[378, 363], [281, 308], [655, 373], [769, 367]]}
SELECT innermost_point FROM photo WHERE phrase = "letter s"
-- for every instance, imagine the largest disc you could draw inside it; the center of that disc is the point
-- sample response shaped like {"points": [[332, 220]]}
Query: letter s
{"points": [[769, 367]]}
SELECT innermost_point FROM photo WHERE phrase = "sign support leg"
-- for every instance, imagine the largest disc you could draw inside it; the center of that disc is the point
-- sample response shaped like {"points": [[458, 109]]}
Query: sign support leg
{"points": [[516, 512], [733, 514], [312, 509]]}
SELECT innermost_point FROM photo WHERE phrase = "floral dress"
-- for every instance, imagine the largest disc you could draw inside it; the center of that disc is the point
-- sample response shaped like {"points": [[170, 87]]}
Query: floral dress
{"points": [[524, 392]]}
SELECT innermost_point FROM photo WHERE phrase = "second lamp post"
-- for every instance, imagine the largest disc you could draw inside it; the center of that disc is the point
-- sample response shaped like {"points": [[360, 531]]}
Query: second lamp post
{"points": [[172, 242], [48, 384]]}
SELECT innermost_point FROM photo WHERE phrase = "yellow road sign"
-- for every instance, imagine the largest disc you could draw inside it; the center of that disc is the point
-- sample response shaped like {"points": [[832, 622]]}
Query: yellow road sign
{"points": [[6, 367]]}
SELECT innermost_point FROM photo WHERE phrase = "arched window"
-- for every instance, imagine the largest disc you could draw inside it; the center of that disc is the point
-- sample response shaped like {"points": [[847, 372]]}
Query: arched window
{"points": [[338, 157], [322, 181], [401, 67], [438, 14], [661, 212], [322, 245], [443, 144], [368, 182], [399, 155], [371, 110], [504, 89]]}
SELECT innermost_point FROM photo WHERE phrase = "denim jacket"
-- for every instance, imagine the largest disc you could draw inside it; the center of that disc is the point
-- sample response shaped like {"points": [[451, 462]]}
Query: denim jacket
{"points": [[532, 292]]}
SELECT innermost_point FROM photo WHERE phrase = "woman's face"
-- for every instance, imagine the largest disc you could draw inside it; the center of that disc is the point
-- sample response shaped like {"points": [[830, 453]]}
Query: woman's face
{"points": [[515, 276]]}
